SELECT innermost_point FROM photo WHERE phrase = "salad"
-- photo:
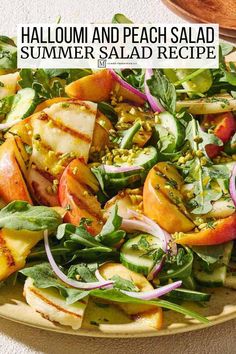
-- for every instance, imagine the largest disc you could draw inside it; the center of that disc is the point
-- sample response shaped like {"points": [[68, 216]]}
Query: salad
{"points": [[117, 187]]}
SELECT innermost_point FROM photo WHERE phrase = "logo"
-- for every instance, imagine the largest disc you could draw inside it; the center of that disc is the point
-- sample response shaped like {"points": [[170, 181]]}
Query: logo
{"points": [[102, 63]]}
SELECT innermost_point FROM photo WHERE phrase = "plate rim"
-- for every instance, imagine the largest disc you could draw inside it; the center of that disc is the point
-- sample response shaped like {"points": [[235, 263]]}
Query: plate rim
{"points": [[183, 13]]}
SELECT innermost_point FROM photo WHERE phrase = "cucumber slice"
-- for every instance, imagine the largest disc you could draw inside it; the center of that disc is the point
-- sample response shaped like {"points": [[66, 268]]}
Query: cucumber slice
{"points": [[218, 276], [120, 18], [145, 158], [188, 295], [169, 128], [120, 183], [137, 254], [211, 280], [199, 83], [24, 104]]}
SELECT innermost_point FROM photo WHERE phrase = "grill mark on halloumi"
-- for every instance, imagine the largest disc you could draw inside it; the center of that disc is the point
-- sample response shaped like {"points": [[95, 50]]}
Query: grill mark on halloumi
{"points": [[86, 207], [59, 308], [64, 128], [7, 252], [76, 102]]}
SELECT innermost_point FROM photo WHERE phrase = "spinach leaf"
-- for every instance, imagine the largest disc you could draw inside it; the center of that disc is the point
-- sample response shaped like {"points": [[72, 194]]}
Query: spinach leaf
{"points": [[110, 233], [44, 278], [161, 88], [8, 53], [20, 215]]}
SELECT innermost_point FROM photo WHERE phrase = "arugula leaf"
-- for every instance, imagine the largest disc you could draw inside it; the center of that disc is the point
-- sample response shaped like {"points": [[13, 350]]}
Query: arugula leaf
{"points": [[110, 233], [116, 296], [197, 172], [123, 284], [178, 266], [161, 88], [20, 215], [8, 53], [85, 271], [44, 278], [76, 233]]}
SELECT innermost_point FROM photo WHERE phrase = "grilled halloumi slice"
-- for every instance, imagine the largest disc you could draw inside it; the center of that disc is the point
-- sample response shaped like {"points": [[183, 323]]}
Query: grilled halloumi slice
{"points": [[60, 133], [51, 305], [64, 128], [9, 84], [15, 245], [143, 315]]}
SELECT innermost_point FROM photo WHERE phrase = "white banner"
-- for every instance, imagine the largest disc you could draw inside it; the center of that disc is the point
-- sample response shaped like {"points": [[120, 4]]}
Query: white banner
{"points": [[117, 46]]}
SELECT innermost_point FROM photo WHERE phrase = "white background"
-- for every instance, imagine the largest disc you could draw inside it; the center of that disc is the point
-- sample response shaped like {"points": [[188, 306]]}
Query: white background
{"points": [[19, 339]]}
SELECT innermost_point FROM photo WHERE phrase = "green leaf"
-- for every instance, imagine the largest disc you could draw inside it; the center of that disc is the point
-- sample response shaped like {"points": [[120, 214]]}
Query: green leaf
{"points": [[179, 266], [110, 234], [85, 272], [199, 174], [76, 233], [8, 53], [123, 284], [116, 296], [20, 215], [108, 111], [209, 254], [226, 48], [40, 80], [127, 140], [161, 88], [120, 18], [44, 278]]}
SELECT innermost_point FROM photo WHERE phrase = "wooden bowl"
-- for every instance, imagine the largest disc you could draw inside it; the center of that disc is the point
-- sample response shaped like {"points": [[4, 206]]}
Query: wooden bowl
{"points": [[222, 12]]}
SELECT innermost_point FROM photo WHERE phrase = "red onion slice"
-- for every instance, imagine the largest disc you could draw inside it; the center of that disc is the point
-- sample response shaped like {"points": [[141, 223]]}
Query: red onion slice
{"points": [[154, 225], [232, 184], [127, 86], [8, 125], [153, 101], [155, 270], [147, 225], [155, 293], [121, 169], [65, 279]]}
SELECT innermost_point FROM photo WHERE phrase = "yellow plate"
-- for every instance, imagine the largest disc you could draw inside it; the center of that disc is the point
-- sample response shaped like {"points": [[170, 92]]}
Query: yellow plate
{"points": [[221, 308]]}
